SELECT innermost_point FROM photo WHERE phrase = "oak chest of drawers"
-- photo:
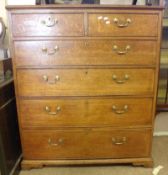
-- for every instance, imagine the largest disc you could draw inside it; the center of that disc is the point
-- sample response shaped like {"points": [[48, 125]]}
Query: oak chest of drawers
{"points": [[86, 82]]}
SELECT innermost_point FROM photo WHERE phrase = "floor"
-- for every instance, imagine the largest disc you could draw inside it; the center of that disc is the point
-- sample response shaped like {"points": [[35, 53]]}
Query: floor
{"points": [[159, 152], [161, 124]]}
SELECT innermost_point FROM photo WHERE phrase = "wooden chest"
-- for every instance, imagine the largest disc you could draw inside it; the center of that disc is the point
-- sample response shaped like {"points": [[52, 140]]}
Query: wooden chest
{"points": [[86, 82]]}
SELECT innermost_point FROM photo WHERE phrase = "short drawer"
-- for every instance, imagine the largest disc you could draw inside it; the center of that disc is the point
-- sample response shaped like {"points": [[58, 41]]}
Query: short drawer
{"points": [[81, 144], [85, 82], [102, 24], [48, 24], [85, 52], [86, 112]]}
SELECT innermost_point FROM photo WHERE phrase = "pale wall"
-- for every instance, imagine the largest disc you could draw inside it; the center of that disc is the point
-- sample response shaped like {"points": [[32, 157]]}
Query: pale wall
{"points": [[4, 16], [2, 10]]}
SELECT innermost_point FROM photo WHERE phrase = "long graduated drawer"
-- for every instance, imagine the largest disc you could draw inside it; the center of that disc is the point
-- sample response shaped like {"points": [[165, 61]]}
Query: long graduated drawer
{"points": [[85, 143], [85, 52], [85, 82], [81, 112]]}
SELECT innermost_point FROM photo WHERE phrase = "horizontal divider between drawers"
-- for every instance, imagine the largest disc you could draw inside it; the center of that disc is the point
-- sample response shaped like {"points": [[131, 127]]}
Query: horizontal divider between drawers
{"points": [[103, 127], [42, 38], [89, 67], [90, 97]]}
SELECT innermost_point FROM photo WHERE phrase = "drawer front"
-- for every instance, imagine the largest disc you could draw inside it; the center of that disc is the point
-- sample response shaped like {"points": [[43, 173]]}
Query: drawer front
{"points": [[48, 24], [86, 112], [84, 82], [81, 144], [122, 24], [85, 52]]}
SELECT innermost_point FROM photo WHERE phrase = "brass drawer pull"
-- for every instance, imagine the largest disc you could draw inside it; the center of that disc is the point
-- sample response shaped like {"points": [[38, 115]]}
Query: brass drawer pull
{"points": [[48, 110], [127, 48], [126, 77], [50, 22], [59, 142], [56, 79], [50, 51], [121, 24], [119, 141], [120, 111]]}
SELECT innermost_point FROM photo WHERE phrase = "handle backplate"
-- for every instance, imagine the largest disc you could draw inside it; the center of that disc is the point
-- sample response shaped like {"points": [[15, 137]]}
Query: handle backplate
{"points": [[121, 52], [120, 111], [119, 141], [54, 81], [50, 51], [121, 81], [60, 141], [48, 110], [122, 24], [50, 22]]}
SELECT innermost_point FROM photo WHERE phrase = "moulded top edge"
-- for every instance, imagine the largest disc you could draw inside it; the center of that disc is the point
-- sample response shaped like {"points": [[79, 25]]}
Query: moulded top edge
{"points": [[83, 6]]}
